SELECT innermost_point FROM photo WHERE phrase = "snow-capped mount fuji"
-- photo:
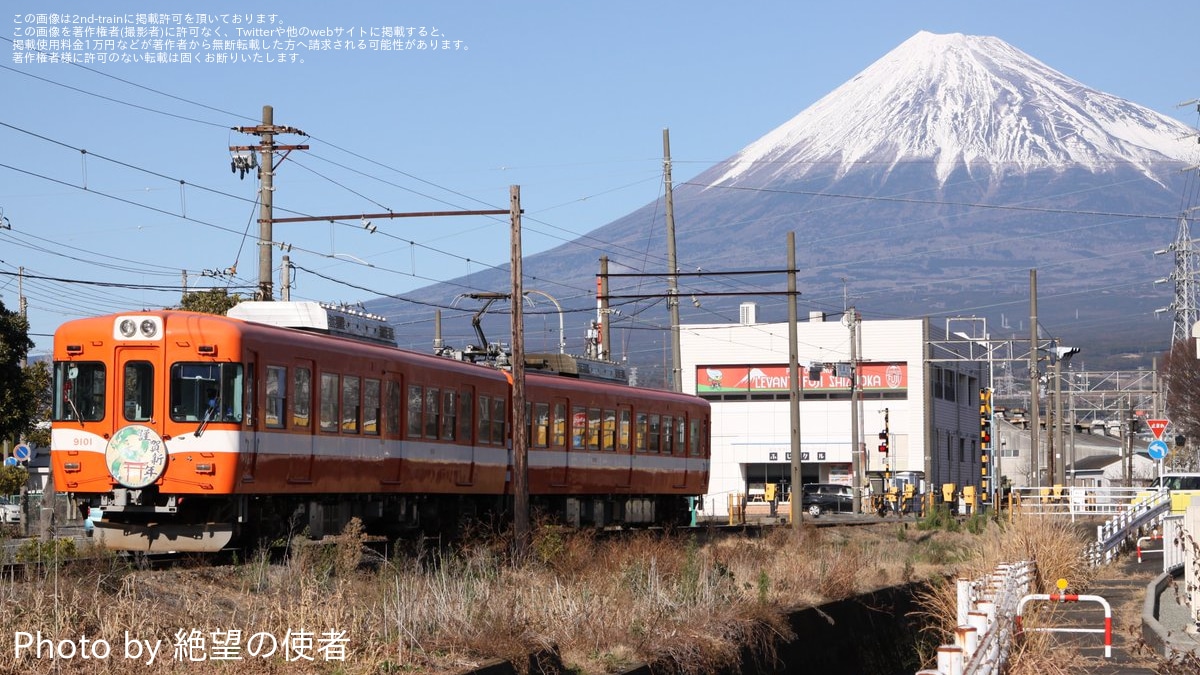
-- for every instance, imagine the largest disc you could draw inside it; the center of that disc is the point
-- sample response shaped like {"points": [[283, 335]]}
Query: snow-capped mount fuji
{"points": [[929, 185], [958, 101]]}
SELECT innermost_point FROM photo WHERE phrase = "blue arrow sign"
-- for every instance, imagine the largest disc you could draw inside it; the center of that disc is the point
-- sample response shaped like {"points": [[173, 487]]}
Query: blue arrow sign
{"points": [[1157, 449], [10, 461]]}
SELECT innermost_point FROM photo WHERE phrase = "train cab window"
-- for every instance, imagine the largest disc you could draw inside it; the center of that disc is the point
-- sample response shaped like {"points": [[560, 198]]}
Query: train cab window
{"points": [[655, 437], [212, 392], [276, 386], [351, 404], [79, 391], [558, 427], [301, 398], [623, 434], [432, 411], [415, 396], [329, 402], [371, 408], [540, 420], [608, 430], [668, 435], [643, 434], [138, 387], [449, 422]]}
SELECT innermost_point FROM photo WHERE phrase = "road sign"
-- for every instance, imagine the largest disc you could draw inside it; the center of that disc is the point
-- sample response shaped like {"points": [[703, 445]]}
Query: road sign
{"points": [[10, 461], [21, 452], [1158, 427], [1157, 449]]}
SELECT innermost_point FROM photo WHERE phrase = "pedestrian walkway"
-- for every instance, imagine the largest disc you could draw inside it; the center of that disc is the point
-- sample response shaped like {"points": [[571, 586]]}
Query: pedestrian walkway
{"points": [[1123, 584]]}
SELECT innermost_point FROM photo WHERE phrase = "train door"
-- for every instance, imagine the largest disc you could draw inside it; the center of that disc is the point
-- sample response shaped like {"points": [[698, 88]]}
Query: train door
{"points": [[298, 397], [250, 439], [625, 445], [140, 406], [393, 431], [456, 427], [679, 449], [561, 433]]}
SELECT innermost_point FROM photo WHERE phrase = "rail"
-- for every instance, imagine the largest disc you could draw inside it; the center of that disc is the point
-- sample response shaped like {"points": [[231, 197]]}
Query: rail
{"points": [[986, 612]]}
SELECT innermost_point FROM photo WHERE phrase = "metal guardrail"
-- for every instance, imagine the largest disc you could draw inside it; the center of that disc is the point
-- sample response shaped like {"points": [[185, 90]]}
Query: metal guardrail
{"points": [[986, 614], [1125, 527], [1075, 502]]}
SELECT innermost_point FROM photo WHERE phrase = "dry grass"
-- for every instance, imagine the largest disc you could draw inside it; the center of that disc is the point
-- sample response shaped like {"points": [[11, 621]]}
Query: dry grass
{"points": [[598, 604]]}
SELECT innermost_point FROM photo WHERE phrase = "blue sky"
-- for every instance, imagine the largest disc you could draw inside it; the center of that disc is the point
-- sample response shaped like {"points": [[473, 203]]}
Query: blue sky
{"points": [[566, 99]]}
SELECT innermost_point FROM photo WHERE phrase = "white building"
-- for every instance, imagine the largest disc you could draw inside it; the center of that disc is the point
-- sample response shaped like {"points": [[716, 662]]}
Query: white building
{"points": [[928, 407]]}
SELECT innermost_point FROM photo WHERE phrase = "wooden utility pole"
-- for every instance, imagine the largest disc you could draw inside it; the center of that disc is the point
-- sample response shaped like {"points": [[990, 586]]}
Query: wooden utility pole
{"points": [[672, 270], [267, 147], [520, 447]]}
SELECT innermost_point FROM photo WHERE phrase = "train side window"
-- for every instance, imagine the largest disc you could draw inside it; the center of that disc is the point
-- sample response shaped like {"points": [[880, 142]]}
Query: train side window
{"points": [[540, 419], [431, 412], [485, 418], [276, 385], [351, 404], [623, 431], [79, 390], [139, 391], [593, 437], [655, 438], [608, 430], [329, 402], [498, 419], [302, 397], [643, 432], [415, 397], [558, 430], [578, 427], [371, 408], [465, 421], [449, 420]]}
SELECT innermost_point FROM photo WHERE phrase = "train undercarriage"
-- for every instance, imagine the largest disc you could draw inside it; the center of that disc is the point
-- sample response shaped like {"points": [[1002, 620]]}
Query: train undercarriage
{"points": [[148, 522]]}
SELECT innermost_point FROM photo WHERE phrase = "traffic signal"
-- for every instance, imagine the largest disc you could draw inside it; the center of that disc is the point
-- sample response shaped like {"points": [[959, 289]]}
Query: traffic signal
{"points": [[883, 441], [985, 419]]}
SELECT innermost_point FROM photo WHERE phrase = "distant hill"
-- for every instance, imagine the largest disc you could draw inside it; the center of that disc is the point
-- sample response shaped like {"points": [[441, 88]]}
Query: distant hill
{"points": [[929, 184]]}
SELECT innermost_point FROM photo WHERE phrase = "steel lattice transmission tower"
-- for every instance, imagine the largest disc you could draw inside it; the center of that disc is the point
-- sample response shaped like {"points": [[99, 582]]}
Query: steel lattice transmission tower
{"points": [[1186, 277]]}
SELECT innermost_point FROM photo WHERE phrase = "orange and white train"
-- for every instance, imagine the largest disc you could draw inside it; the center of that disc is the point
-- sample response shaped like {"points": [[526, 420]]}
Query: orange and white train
{"points": [[191, 431]]}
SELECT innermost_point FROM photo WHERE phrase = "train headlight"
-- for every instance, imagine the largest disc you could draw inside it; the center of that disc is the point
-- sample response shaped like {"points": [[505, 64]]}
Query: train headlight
{"points": [[138, 327]]}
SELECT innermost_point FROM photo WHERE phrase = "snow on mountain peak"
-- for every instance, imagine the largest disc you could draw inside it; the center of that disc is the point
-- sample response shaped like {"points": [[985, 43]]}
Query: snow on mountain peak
{"points": [[953, 100]]}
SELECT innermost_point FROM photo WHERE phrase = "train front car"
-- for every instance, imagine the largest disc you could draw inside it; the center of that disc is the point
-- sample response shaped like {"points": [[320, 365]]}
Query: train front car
{"points": [[146, 426]]}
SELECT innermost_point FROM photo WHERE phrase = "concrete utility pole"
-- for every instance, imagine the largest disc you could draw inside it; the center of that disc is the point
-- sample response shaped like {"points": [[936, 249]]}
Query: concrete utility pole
{"points": [[672, 269], [267, 147], [794, 384], [856, 463], [1034, 422]]}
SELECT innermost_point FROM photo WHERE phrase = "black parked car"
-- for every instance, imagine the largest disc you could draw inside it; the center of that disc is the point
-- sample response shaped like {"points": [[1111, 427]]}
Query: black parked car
{"points": [[818, 498]]}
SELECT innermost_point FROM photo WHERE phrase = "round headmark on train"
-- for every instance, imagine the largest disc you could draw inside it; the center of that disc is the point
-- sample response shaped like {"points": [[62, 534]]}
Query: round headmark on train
{"points": [[136, 456]]}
